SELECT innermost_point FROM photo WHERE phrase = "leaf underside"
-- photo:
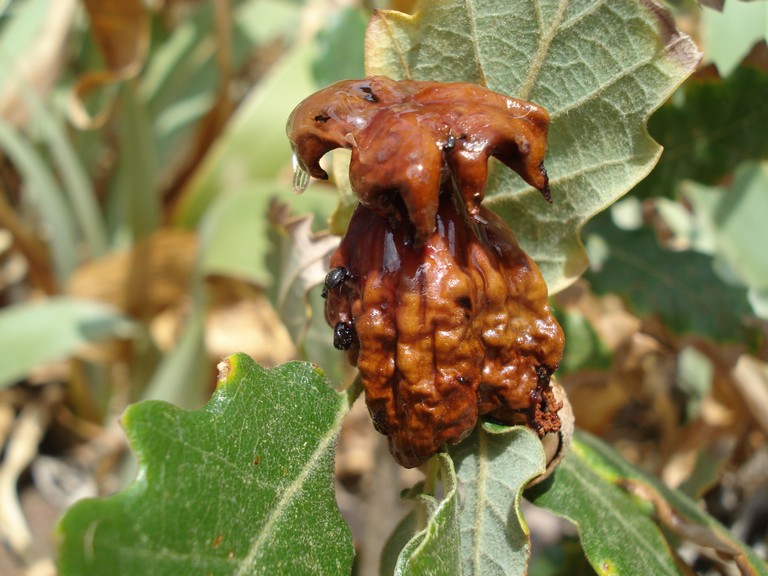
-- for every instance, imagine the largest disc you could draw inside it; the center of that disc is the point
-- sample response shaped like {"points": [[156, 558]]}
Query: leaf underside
{"points": [[600, 68], [477, 528], [494, 465]]}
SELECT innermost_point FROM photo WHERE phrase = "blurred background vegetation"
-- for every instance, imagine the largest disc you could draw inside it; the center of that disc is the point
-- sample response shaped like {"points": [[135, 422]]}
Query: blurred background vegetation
{"points": [[148, 228]]}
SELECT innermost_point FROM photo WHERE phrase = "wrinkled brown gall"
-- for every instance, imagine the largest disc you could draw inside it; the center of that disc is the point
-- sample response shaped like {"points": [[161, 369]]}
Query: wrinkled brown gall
{"points": [[408, 138], [446, 331], [445, 316]]}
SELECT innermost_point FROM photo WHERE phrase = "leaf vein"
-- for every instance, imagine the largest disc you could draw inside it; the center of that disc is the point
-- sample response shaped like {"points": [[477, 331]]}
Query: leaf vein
{"points": [[482, 80], [482, 474], [629, 527], [538, 58], [600, 91], [290, 492], [398, 49], [581, 15]]}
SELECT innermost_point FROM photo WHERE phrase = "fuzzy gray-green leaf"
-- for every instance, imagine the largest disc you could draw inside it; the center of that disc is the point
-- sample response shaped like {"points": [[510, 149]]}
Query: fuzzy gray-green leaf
{"points": [[494, 464], [599, 67]]}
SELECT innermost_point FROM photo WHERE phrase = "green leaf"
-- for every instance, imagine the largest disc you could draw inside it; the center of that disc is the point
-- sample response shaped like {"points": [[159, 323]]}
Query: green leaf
{"points": [[35, 333], [434, 550], [617, 536], [402, 534], [494, 465], [135, 197], [616, 529], [585, 349], [254, 146], [680, 287], [340, 47], [79, 190], [732, 32], [599, 68], [736, 217], [242, 486], [707, 129], [178, 85], [183, 73], [43, 193], [235, 229]]}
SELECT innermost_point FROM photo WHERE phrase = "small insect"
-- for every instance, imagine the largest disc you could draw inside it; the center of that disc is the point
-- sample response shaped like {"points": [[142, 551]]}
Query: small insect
{"points": [[335, 278], [343, 335]]}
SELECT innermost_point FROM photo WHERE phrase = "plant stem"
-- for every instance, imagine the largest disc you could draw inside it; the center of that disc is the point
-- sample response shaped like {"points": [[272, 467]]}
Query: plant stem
{"points": [[29, 245]]}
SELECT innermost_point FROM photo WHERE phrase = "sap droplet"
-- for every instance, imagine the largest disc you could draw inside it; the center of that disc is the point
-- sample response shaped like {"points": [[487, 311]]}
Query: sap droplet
{"points": [[300, 176]]}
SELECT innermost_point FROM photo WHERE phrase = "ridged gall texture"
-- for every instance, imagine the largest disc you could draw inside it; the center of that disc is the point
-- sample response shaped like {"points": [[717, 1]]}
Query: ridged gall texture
{"points": [[445, 330], [408, 138], [429, 293]]}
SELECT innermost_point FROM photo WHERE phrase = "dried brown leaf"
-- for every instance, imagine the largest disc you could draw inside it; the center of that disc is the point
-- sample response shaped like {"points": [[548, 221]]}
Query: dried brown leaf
{"points": [[557, 444], [750, 377], [246, 322], [142, 281], [120, 29], [37, 67], [302, 263]]}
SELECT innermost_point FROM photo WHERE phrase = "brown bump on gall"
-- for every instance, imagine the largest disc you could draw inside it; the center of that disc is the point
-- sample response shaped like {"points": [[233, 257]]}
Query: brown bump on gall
{"points": [[557, 443]]}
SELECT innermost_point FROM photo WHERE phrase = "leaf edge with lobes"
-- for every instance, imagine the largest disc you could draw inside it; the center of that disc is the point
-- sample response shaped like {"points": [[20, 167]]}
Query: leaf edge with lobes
{"points": [[452, 41]]}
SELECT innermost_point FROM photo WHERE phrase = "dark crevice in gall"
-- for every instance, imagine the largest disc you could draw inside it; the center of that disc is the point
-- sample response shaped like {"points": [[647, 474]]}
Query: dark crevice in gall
{"points": [[368, 94], [543, 374], [464, 302]]}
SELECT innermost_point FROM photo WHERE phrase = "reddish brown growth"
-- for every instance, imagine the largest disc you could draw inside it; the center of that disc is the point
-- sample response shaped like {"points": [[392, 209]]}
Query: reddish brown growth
{"points": [[408, 138], [429, 293]]}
